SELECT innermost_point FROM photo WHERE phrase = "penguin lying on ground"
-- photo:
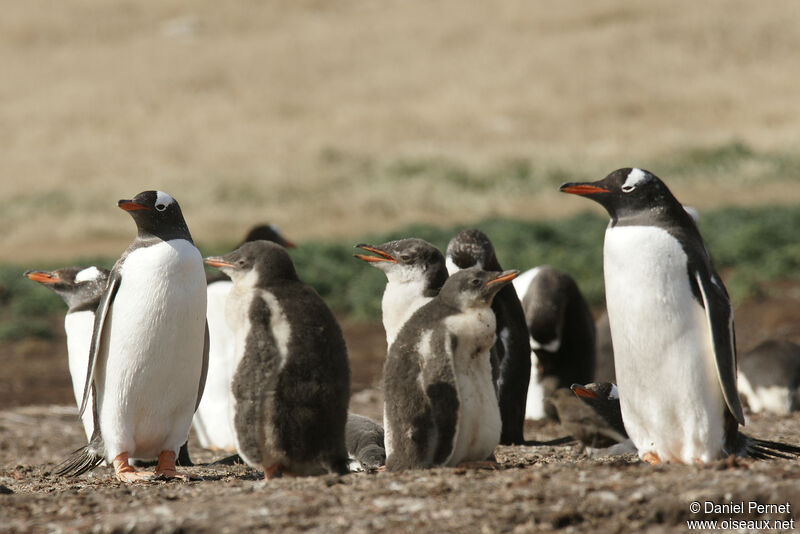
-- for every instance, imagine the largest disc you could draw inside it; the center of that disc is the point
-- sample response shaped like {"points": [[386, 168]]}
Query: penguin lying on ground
{"points": [[591, 414], [471, 248], [212, 421], [769, 377], [81, 288], [364, 442], [672, 327], [415, 272], [149, 350], [291, 382], [440, 403], [562, 336]]}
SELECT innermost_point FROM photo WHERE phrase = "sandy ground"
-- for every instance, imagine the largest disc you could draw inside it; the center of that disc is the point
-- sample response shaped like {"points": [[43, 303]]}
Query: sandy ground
{"points": [[333, 117]]}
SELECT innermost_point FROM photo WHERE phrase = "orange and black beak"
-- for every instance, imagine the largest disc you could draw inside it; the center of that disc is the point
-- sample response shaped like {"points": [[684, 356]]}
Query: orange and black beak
{"points": [[582, 189], [216, 261], [381, 255], [43, 277], [505, 276], [582, 392], [288, 244], [130, 205]]}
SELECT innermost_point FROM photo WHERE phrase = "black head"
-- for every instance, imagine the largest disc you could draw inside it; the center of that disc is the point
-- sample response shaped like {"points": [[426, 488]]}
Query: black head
{"points": [[471, 248], [266, 262], [157, 214], [631, 194], [596, 390], [76, 285], [474, 287], [407, 259], [267, 232]]}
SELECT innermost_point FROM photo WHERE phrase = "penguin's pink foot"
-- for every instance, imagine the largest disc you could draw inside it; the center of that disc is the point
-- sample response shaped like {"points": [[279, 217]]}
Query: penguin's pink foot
{"points": [[272, 472], [126, 473], [166, 466], [651, 458]]}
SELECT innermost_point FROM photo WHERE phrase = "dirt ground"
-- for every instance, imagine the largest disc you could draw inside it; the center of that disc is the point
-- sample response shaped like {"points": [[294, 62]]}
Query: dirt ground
{"points": [[534, 488]]}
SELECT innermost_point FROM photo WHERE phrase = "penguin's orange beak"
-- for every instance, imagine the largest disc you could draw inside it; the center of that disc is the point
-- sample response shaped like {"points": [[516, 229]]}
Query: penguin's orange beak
{"points": [[506, 276], [216, 261], [582, 392], [130, 205], [381, 255], [582, 189], [43, 277]]}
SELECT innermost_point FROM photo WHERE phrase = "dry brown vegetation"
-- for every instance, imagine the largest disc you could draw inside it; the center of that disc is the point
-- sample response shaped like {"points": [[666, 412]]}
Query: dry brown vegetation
{"points": [[311, 113]]}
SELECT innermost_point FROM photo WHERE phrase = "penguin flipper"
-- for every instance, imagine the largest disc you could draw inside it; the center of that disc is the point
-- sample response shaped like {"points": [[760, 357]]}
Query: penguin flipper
{"points": [[204, 371], [439, 384], [720, 320], [100, 316]]}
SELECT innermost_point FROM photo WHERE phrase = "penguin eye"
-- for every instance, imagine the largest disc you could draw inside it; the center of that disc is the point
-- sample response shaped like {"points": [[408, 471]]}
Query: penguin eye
{"points": [[405, 258], [241, 262], [160, 207], [475, 282]]}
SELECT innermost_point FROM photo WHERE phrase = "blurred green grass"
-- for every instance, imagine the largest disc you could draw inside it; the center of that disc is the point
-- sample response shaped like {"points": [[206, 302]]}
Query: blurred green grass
{"points": [[752, 248]]}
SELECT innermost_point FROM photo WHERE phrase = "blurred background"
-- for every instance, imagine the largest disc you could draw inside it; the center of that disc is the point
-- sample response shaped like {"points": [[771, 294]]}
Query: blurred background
{"points": [[364, 120]]}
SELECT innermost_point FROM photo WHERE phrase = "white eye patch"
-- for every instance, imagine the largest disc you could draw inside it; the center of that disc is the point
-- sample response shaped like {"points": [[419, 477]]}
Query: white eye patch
{"points": [[163, 200], [88, 274], [614, 393], [635, 177]]}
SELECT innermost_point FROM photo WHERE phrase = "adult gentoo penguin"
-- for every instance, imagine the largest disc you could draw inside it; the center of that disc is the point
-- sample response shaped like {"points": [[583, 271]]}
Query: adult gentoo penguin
{"points": [[672, 327], [562, 336], [415, 271], [212, 421], [470, 248], [291, 383], [440, 404], [81, 288], [149, 350]]}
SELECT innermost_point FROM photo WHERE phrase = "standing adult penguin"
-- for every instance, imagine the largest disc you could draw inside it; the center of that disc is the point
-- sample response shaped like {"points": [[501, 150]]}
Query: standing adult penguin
{"points": [[291, 382], [415, 272], [212, 421], [149, 350], [440, 402], [81, 288], [672, 327], [562, 336], [470, 248]]}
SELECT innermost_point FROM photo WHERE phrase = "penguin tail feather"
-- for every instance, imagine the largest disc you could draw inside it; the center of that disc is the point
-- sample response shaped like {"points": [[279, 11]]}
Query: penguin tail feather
{"points": [[552, 442], [80, 461], [761, 449]]}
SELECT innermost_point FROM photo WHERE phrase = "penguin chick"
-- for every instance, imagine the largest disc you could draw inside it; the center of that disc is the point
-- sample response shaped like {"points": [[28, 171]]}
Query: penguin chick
{"points": [[212, 421], [440, 404], [769, 377], [415, 272], [291, 382], [81, 289], [364, 441], [471, 248]]}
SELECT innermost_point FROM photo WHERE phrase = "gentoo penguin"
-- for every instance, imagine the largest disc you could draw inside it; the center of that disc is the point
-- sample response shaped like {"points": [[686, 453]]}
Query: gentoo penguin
{"points": [[591, 414], [291, 382], [769, 377], [415, 271], [149, 350], [81, 288], [364, 441], [562, 337], [470, 248], [212, 421], [440, 404], [671, 325]]}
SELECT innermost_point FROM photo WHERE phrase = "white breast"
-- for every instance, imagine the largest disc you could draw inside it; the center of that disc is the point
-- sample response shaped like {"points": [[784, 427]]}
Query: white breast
{"points": [[149, 373], [79, 327], [400, 300], [523, 281], [213, 419], [670, 395], [479, 424]]}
